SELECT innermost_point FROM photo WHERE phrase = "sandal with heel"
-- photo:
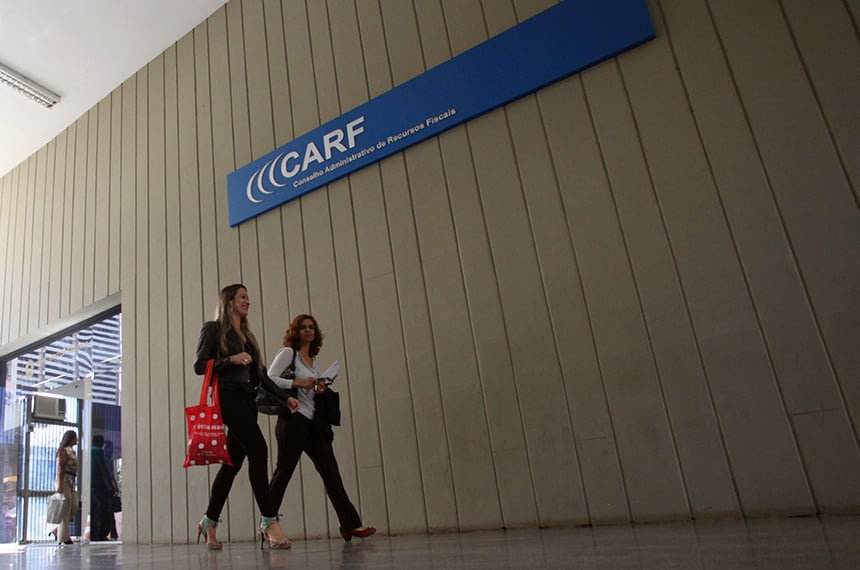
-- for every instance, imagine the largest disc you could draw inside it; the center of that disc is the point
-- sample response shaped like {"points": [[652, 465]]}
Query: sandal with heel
{"points": [[204, 525], [265, 523]]}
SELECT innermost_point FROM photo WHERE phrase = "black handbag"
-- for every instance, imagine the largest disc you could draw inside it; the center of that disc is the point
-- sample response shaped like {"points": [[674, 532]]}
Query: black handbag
{"points": [[327, 407], [270, 398]]}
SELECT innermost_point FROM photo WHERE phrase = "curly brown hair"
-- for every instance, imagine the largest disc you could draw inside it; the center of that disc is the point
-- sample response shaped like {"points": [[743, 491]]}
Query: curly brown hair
{"points": [[294, 340]]}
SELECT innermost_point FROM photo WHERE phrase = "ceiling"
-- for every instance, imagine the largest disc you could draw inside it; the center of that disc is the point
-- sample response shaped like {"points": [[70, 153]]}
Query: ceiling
{"points": [[82, 50]]}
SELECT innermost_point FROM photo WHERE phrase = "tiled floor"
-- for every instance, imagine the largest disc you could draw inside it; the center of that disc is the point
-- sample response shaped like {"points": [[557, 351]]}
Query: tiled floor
{"points": [[807, 543]]}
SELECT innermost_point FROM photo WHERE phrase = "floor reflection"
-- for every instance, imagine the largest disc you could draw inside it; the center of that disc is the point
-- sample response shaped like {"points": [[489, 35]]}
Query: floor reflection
{"points": [[826, 543]]}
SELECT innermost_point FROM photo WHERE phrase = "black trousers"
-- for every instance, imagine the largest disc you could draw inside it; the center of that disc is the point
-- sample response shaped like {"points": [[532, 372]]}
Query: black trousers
{"points": [[101, 514], [244, 438], [297, 434]]}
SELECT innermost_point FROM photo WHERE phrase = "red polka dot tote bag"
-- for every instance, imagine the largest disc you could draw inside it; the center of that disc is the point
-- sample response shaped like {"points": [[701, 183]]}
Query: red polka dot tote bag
{"points": [[207, 440]]}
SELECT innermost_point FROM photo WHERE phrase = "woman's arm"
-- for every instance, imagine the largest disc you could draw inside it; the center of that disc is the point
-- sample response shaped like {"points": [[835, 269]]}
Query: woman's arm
{"points": [[207, 349], [281, 362], [61, 466]]}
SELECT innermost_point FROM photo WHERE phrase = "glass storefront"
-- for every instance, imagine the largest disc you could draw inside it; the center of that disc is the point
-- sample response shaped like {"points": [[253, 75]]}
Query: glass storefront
{"points": [[73, 382]]}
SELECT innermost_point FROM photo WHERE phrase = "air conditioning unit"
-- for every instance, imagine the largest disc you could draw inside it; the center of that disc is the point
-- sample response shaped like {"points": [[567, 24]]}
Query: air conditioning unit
{"points": [[48, 408]]}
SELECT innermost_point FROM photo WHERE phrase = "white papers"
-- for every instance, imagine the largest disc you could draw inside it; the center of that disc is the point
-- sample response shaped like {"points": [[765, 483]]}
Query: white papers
{"points": [[332, 371]]}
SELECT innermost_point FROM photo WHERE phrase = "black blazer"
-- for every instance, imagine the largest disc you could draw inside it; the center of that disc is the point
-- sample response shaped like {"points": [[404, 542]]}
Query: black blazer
{"points": [[231, 376]]}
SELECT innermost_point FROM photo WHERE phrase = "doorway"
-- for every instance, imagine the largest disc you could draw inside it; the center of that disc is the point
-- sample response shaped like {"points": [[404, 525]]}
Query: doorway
{"points": [[72, 381]]}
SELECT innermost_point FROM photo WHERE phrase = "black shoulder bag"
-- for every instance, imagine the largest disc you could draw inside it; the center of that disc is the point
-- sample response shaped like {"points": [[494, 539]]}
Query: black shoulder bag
{"points": [[271, 399]]}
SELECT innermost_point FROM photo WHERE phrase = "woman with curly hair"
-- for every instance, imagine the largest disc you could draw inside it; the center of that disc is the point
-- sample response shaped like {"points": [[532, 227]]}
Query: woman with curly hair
{"points": [[306, 431]]}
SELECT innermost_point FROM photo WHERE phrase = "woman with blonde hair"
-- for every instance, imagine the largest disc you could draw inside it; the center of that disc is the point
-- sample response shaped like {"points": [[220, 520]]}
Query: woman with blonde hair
{"points": [[228, 341]]}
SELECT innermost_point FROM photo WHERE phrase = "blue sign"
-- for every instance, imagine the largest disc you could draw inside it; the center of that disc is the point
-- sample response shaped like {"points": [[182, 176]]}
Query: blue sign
{"points": [[558, 42]]}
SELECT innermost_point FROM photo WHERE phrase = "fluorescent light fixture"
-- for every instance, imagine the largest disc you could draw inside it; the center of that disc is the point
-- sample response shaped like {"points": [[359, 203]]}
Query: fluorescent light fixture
{"points": [[27, 87]]}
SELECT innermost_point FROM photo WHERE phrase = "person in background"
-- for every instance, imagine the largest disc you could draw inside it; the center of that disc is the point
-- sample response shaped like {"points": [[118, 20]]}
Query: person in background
{"points": [[112, 533], [304, 431], [228, 341], [103, 487], [67, 472]]}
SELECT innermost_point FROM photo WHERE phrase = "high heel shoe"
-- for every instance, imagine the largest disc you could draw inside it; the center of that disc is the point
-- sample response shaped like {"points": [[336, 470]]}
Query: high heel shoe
{"points": [[265, 523], [204, 525], [360, 532]]}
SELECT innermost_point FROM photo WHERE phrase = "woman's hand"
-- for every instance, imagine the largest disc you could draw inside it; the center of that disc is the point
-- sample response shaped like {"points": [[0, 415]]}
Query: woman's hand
{"points": [[241, 359], [320, 387], [293, 404], [306, 383]]}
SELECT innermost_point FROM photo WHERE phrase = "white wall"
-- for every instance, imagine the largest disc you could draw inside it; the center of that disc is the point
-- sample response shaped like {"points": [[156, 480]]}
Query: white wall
{"points": [[630, 296]]}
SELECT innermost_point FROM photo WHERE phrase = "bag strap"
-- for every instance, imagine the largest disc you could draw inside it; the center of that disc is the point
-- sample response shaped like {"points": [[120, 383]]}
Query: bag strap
{"points": [[292, 366], [210, 379]]}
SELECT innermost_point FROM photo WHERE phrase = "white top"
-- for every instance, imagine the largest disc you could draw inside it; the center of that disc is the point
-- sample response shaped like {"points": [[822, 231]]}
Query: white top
{"points": [[303, 370]]}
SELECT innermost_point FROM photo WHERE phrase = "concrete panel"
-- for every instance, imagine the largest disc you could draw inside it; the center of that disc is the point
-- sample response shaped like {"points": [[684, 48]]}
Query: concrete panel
{"points": [[244, 513], [360, 424], [818, 208], [557, 264], [58, 200], [323, 62], [142, 400], [128, 248], [465, 24], [279, 73], [205, 168], [831, 458], [344, 444], [431, 422], [401, 31], [377, 65], [223, 160], [768, 261], [635, 391], [90, 221], [406, 505], [159, 363], [824, 36], [68, 208], [6, 221], [101, 222], [19, 203], [48, 246], [608, 502], [195, 486], [114, 193], [524, 305], [458, 381], [40, 226], [21, 295], [702, 247], [29, 189], [79, 215], [324, 306], [492, 353], [177, 354]]}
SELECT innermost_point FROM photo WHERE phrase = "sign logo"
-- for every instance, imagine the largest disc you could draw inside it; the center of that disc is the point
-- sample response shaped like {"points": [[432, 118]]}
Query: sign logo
{"points": [[558, 42]]}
